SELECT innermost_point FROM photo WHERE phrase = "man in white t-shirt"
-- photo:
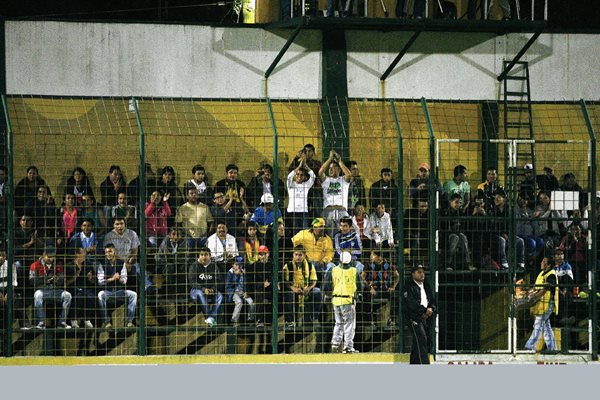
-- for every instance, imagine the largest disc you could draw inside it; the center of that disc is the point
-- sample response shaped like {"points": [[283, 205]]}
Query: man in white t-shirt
{"points": [[299, 182], [335, 190]]}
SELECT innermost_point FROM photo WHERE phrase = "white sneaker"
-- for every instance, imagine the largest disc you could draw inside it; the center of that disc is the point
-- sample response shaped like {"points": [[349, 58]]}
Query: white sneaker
{"points": [[505, 265], [211, 321], [64, 325], [40, 325], [350, 350], [74, 324], [88, 324]]}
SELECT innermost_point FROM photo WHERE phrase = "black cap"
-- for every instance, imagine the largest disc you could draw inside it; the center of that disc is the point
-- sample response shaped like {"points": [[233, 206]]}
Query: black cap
{"points": [[416, 267]]}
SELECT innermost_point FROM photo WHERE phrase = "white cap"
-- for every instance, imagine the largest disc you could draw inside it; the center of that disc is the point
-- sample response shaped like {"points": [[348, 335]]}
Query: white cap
{"points": [[267, 198], [528, 166], [345, 257]]}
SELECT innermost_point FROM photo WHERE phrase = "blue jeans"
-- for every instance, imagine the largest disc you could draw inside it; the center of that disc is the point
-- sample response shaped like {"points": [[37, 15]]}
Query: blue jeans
{"points": [[199, 296], [52, 294], [129, 295], [541, 325]]}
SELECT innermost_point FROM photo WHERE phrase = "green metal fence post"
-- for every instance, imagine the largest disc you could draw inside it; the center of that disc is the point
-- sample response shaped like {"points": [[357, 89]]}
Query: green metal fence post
{"points": [[142, 230], [433, 205], [593, 225], [399, 224], [275, 250], [9, 194]]}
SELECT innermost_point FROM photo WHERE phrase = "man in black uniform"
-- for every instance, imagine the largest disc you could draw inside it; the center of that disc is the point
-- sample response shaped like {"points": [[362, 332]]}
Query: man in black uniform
{"points": [[418, 307]]}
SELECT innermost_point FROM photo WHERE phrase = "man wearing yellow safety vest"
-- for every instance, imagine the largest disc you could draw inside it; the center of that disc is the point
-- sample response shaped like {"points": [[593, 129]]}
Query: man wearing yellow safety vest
{"points": [[546, 293], [343, 281]]}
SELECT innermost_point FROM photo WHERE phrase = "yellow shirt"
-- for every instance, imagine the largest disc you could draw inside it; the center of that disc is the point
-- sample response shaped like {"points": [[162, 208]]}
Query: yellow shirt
{"points": [[344, 285], [543, 303], [320, 250], [301, 276], [194, 218]]}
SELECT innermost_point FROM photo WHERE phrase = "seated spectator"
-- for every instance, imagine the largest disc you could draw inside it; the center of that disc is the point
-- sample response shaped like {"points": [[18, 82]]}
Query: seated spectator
{"points": [[48, 280], [43, 211], [168, 184], [501, 218], [549, 224], [299, 182], [134, 186], [347, 240], [547, 182], [382, 233], [26, 189], [223, 210], [200, 182], [490, 188], [284, 243], [317, 245], [195, 218], [223, 247], [3, 201], [205, 278], [416, 228], [90, 210], [110, 189], [78, 185], [124, 210], [527, 188], [232, 187], [250, 243], [574, 244], [67, 220], [300, 287], [361, 223], [236, 288], [262, 184], [112, 280], [261, 279], [418, 187], [85, 239], [525, 229], [18, 304], [335, 190], [171, 261], [453, 235], [28, 247], [356, 191], [385, 191], [157, 212], [380, 280], [126, 243], [264, 215], [81, 282], [459, 185], [569, 184]]}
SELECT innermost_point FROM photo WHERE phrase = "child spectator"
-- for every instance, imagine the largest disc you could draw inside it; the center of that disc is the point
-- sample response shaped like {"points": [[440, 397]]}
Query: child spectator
{"points": [[235, 288]]}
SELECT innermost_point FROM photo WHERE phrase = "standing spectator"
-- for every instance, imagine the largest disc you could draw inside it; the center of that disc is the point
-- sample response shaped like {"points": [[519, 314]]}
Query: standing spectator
{"points": [[236, 288], [385, 191], [299, 183], [317, 245], [315, 199], [112, 279], [335, 190], [200, 182], [110, 189], [261, 184], [205, 278], [223, 246], [261, 277], [300, 285], [565, 279], [356, 191], [418, 307], [48, 279], [78, 185], [459, 185], [195, 218], [546, 293], [157, 212], [343, 282], [26, 189], [346, 240]]}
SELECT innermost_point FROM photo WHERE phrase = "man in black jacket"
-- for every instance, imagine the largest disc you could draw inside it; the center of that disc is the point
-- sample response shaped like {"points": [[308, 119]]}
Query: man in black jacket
{"points": [[418, 306]]}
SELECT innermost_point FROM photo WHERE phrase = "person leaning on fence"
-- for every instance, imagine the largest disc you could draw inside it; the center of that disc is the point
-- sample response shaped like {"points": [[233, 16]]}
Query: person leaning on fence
{"points": [[343, 282], [418, 307], [546, 294]]}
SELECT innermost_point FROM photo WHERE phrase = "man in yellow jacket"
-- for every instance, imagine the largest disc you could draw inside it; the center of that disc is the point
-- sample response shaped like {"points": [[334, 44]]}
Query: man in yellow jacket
{"points": [[318, 245], [546, 292], [343, 281]]}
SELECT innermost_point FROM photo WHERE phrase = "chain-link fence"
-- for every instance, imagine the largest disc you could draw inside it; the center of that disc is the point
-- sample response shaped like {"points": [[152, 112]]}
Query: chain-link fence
{"points": [[195, 226]]}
